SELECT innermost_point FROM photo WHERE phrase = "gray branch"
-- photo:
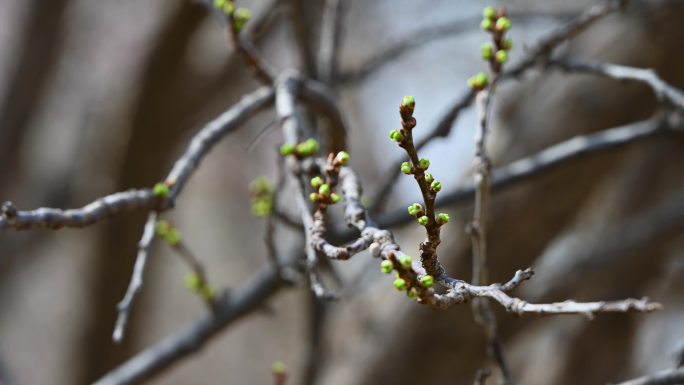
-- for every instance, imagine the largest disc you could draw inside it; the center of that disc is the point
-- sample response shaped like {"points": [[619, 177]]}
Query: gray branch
{"points": [[666, 377]]}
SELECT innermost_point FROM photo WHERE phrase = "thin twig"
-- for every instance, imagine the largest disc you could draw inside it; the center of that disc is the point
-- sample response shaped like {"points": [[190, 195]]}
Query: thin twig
{"points": [[673, 376], [135, 286], [328, 47]]}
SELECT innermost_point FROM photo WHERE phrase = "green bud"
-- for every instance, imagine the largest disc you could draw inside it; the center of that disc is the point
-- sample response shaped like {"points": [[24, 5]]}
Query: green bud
{"points": [[442, 218], [413, 293], [405, 261], [386, 266], [507, 44], [342, 157], [489, 12], [287, 149], [262, 207], [486, 24], [334, 197], [406, 168], [423, 220], [278, 368], [427, 281], [487, 50], [219, 3], [207, 292], [173, 237], [324, 189], [501, 56], [399, 284], [415, 209], [307, 147], [428, 177], [193, 282], [316, 182], [436, 186], [313, 197], [161, 190], [241, 17], [409, 101], [162, 228], [478, 81], [424, 163], [503, 24], [396, 136]]}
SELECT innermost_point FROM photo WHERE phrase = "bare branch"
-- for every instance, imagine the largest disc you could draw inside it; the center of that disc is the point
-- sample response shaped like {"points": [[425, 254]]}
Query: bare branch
{"points": [[135, 286], [328, 47], [665, 93], [666, 377]]}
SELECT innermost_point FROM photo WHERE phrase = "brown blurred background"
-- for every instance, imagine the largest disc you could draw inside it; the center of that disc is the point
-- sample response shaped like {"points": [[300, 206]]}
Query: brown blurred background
{"points": [[97, 97]]}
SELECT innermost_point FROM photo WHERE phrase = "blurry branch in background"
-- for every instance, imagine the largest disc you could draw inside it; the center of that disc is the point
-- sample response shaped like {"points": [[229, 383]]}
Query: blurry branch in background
{"points": [[673, 376], [481, 376], [328, 47]]}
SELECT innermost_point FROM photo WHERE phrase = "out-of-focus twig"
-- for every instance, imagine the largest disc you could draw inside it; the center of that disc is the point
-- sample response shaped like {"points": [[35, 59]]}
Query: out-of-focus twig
{"points": [[673, 376], [328, 47]]}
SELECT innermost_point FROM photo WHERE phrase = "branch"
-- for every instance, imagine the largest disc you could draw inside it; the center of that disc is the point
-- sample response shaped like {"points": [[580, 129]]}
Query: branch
{"points": [[328, 47], [665, 93], [666, 377], [191, 339]]}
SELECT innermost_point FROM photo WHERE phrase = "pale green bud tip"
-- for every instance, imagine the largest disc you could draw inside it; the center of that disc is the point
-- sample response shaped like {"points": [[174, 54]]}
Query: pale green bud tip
{"points": [[424, 163], [427, 281], [478, 81], [503, 24], [243, 14], [487, 50], [386, 267], [415, 209], [313, 197], [413, 293], [428, 177], [192, 282], [219, 3], [396, 136], [405, 261], [324, 189], [278, 368], [208, 293], [489, 12], [342, 157], [161, 190], [316, 182], [436, 186], [442, 218], [501, 56], [508, 44], [162, 228], [173, 237], [487, 24], [287, 149], [406, 168], [307, 148], [335, 198], [399, 284], [423, 220], [409, 101]]}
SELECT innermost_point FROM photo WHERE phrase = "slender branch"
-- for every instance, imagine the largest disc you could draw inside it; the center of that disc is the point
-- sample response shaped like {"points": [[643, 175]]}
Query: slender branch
{"points": [[192, 338], [328, 47], [135, 286], [673, 376], [302, 34], [666, 93]]}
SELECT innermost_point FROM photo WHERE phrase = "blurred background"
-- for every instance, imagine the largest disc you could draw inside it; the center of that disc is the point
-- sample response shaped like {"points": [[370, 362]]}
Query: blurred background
{"points": [[97, 97]]}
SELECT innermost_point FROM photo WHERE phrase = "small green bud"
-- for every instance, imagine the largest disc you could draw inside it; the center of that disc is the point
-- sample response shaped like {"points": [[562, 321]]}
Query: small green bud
{"points": [[241, 17], [436, 186], [396, 136], [161, 190], [478, 81], [386, 266], [342, 157], [427, 281], [413, 293], [193, 282], [324, 189], [406, 168], [399, 284], [219, 3], [415, 209], [316, 182], [278, 368], [307, 147], [428, 177], [423, 220], [424, 163], [162, 228], [313, 197], [173, 237], [486, 24], [503, 24], [409, 102], [487, 51], [442, 218], [335, 198], [207, 292], [501, 56], [405, 261], [507, 44], [489, 12], [287, 149]]}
